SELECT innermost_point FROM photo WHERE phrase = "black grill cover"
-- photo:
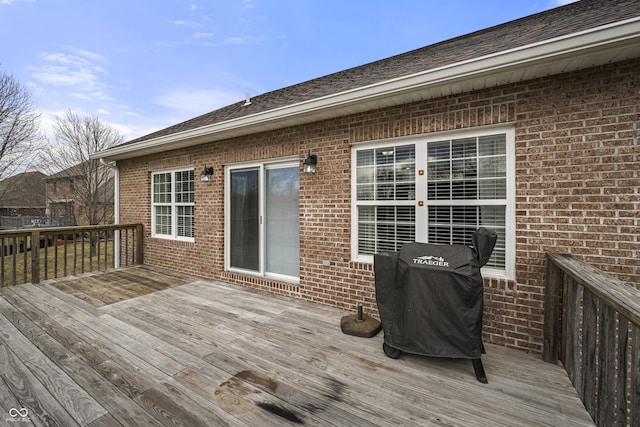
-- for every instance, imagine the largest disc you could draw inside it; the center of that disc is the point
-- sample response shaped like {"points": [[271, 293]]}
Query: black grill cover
{"points": [[430, 297]]}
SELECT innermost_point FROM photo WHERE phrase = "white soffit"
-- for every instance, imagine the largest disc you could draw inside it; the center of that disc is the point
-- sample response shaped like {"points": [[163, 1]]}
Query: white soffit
{"points": [[611, 43]]}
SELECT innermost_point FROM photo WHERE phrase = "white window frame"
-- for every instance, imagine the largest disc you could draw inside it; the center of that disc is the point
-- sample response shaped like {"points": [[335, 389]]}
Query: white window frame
{"points": [[421, 233], [261, 167], [173, 205]]}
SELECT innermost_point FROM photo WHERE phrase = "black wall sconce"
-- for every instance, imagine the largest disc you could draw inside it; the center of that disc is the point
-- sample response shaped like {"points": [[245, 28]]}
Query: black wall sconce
{"points": [[310, 163], [206, 174]]}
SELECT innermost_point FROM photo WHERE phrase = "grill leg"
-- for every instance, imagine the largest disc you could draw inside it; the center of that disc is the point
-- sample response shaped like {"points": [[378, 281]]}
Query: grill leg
{"points": [[391, 352], [479, 370]]}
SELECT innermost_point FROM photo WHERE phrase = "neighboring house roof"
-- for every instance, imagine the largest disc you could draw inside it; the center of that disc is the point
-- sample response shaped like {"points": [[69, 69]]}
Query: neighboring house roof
{"points": [[71, 172], [104, 193], [579, 35], [25, 190], [105, 190]]}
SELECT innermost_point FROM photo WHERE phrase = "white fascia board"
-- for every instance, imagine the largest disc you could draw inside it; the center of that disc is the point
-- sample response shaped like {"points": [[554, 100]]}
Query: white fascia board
{"points": [[605, 37]]}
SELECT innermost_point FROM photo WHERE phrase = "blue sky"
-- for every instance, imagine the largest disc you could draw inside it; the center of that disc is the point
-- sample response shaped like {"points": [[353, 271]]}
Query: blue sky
{"points": [[143, 65]]}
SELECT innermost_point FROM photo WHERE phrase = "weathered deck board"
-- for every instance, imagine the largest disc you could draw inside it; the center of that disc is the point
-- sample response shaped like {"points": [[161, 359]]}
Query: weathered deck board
{"points": [[143, 346], [116, 285], [72, 397]]}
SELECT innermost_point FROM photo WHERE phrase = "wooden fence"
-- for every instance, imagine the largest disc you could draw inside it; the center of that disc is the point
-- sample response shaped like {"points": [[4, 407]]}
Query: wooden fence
{"points": [[32, 255], [592, 324]]}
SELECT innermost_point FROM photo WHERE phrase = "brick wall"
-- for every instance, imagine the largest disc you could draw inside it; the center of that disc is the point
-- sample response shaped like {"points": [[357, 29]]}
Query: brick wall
{"points": [[66, 196], [577, 184]]}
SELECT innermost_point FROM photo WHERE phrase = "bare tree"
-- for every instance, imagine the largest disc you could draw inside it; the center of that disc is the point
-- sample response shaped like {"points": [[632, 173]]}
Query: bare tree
{"points": [[85, 183], [19, 126]]}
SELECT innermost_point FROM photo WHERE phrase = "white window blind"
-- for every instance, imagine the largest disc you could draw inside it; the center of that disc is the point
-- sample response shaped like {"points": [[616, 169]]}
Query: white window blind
{"points": [[385, 228], [467, 189], [385, 193]]}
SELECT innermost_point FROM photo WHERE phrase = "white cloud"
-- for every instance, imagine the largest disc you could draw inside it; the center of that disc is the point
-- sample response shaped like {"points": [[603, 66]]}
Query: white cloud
{"points": [[92, 96], [244, 39], [81, 96], [57, 75], [78, 68], [183, 23], [202, 35], [96, 57], [233, 40], [47, 121], [10, 2], [71, 78]]}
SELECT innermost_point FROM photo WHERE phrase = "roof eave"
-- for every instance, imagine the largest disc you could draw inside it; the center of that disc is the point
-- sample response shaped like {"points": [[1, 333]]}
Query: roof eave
{"points": [[610, 43]]}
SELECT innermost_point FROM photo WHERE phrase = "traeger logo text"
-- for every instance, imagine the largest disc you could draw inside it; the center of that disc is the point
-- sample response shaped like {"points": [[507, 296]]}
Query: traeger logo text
{"points": [[431, 260]]}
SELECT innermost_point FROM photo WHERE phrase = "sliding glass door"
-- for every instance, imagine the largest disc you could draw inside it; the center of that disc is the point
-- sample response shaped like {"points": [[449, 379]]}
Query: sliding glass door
{"points": [[263, 220], [244, 219]]}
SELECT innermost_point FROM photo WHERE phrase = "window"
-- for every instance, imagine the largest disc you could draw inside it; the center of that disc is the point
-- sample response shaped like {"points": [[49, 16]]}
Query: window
{"points": [[435, 191], [467, 189], [385, 189], [173, 204], [262, 220]]}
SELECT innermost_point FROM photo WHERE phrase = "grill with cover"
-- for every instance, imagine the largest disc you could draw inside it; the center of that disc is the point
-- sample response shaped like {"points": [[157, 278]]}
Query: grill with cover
{"points": [[430, 299]]}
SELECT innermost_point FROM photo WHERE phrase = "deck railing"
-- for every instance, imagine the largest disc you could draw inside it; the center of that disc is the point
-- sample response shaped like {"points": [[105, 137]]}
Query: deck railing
{"points": [[592, 324], [32, 255]]}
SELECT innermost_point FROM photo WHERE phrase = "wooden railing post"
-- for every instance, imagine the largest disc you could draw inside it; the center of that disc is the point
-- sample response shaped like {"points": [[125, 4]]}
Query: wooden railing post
{"points": [[2, 254], [35, 256], [635, 377], [553, 290], [14, 257], [139, 245]]}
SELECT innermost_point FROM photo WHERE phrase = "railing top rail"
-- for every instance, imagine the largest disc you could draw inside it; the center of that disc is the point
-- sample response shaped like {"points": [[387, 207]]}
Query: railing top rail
{"points": [[61, 230], [621, 296]]}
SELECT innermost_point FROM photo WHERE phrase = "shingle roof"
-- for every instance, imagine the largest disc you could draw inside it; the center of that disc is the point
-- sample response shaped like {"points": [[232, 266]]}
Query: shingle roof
{"points": [[25, 190], [70, 172], [569, 19]]}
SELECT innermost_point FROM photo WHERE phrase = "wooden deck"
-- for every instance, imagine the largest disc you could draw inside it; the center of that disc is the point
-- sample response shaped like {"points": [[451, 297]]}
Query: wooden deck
{"points": [[88, 351]]}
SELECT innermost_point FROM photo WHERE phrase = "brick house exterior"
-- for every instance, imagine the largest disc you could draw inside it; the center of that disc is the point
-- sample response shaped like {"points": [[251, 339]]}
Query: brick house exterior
{"points": [[573, 159], [80, 195]]}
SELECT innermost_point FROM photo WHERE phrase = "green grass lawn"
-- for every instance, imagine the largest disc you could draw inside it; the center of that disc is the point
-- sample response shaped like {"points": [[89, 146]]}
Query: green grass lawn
{"points": [[55, 262]]}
